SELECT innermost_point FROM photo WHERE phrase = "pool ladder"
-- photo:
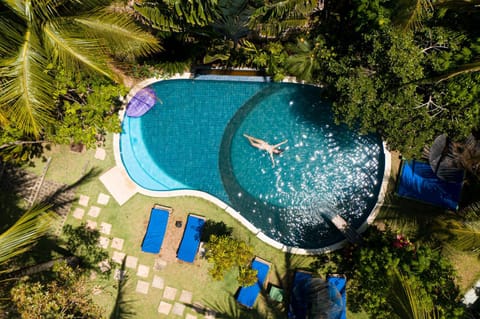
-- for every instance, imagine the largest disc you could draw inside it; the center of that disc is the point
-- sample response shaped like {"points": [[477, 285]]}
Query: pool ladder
{"points": [[351, 234]]}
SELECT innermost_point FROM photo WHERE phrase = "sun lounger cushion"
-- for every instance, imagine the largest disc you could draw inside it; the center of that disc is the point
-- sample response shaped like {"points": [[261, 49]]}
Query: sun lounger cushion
{"points": [[248, 295], [340, 284], [191, 238], [418, 181], [157, 225], [298, 306]]}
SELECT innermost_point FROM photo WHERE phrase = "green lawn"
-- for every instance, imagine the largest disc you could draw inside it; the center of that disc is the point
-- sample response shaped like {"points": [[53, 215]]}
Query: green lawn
{"points": [[129, 223]]}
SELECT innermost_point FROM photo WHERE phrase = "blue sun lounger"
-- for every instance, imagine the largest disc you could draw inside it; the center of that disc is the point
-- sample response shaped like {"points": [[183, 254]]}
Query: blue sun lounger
{"points": [[298, 308], [248, 295], [340, 282], [191, 238], [157, 226]]}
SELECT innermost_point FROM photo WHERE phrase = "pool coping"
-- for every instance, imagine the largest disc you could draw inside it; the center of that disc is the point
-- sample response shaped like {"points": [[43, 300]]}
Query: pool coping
{"points": [[224, 206]]}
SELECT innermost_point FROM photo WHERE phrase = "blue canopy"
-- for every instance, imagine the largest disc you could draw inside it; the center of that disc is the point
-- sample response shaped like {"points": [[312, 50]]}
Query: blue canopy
{"points": [[157, 225], [418, 181], [247, 295], [141, 102], [191, 238]]}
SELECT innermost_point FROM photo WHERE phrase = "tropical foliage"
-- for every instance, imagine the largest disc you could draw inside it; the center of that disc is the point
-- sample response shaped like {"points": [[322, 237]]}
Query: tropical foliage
{"points": [[424, 269], [38, 36], [67, 295], [226, 253]]}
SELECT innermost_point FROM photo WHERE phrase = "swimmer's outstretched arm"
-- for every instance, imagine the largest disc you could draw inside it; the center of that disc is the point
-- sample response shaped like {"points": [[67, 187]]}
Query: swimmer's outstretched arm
{"points": [[277, 145]]}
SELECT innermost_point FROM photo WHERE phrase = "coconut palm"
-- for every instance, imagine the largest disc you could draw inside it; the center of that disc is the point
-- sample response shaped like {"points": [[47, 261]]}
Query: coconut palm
{"points": [[38, 35]]}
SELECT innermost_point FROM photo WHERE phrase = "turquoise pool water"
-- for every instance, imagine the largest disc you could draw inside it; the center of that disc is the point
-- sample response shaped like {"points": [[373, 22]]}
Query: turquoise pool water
{"points": [[193, 139]]}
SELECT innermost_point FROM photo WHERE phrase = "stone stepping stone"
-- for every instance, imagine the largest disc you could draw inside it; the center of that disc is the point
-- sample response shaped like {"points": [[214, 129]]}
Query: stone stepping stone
{"points": [[117, 243], [104, 265], [164, 307], [131, 262], [143, 270], [189, 316], [78, 213], [119, 275], [83, 200], [160, 264], [169, 293], [118, 257], [103, 242], [103, 199], [158, 282], [94, 211], [178, 309], [186, 296], [142, 287], [100, 153], [91, 224], [105, 228]]}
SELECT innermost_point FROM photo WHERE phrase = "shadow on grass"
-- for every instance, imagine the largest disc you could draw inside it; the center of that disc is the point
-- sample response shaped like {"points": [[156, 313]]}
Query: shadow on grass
{"points": [[123, 307], [212, 227]]}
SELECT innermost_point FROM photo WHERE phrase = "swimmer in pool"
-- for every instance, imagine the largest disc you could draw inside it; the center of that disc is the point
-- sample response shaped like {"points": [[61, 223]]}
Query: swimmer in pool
{"points": [[264, 146]]}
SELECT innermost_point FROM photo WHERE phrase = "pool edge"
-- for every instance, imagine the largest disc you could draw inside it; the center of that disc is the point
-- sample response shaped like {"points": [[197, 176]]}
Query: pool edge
{"points": [[224, 206]]}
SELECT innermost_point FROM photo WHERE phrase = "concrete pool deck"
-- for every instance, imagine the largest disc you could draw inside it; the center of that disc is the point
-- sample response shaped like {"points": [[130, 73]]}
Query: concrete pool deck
{"points": [[122, 187]]}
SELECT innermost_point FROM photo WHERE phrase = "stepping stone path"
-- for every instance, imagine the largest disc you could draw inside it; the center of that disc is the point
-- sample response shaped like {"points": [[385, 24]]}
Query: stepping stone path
{"points": [[119, 275], [103, 242], [100, 153], [178, 309], [186, 296], [131, 262], [158, 282], [103, 199], [91, 224], [164, 307], [78, 213], [117, 243], [105, 228], [118, 257], [94, 211], [143, 271], [83, 200], [189, 316], [142, 287], [169, 293]]}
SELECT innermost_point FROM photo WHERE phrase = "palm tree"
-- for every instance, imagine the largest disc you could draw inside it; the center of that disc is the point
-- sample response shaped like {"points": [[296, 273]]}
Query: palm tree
{"points": [[38, 35]]}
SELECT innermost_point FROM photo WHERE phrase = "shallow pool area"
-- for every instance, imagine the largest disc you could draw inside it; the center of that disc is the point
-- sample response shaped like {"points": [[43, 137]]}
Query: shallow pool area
{"points": [[192, 139]]}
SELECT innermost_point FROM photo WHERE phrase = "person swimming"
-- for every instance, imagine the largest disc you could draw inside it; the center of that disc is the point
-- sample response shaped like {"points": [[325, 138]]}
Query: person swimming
{"points": [[264, 146]]}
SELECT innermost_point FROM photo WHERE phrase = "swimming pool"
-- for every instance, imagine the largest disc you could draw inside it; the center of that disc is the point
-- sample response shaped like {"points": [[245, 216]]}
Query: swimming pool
{"points": [[193, 139]]}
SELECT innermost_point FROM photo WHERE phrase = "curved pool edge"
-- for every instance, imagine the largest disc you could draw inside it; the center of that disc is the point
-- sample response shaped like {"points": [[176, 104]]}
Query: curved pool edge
{"points": [[224, 206]]}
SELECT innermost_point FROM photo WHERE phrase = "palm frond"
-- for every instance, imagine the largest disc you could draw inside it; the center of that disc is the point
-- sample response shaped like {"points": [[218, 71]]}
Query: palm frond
{"points": [[71, 50], [27, 88], [18, 238], [412, 13], [120, 34], [406, 301], [462, 69], [11, 35], [157, 17]]}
